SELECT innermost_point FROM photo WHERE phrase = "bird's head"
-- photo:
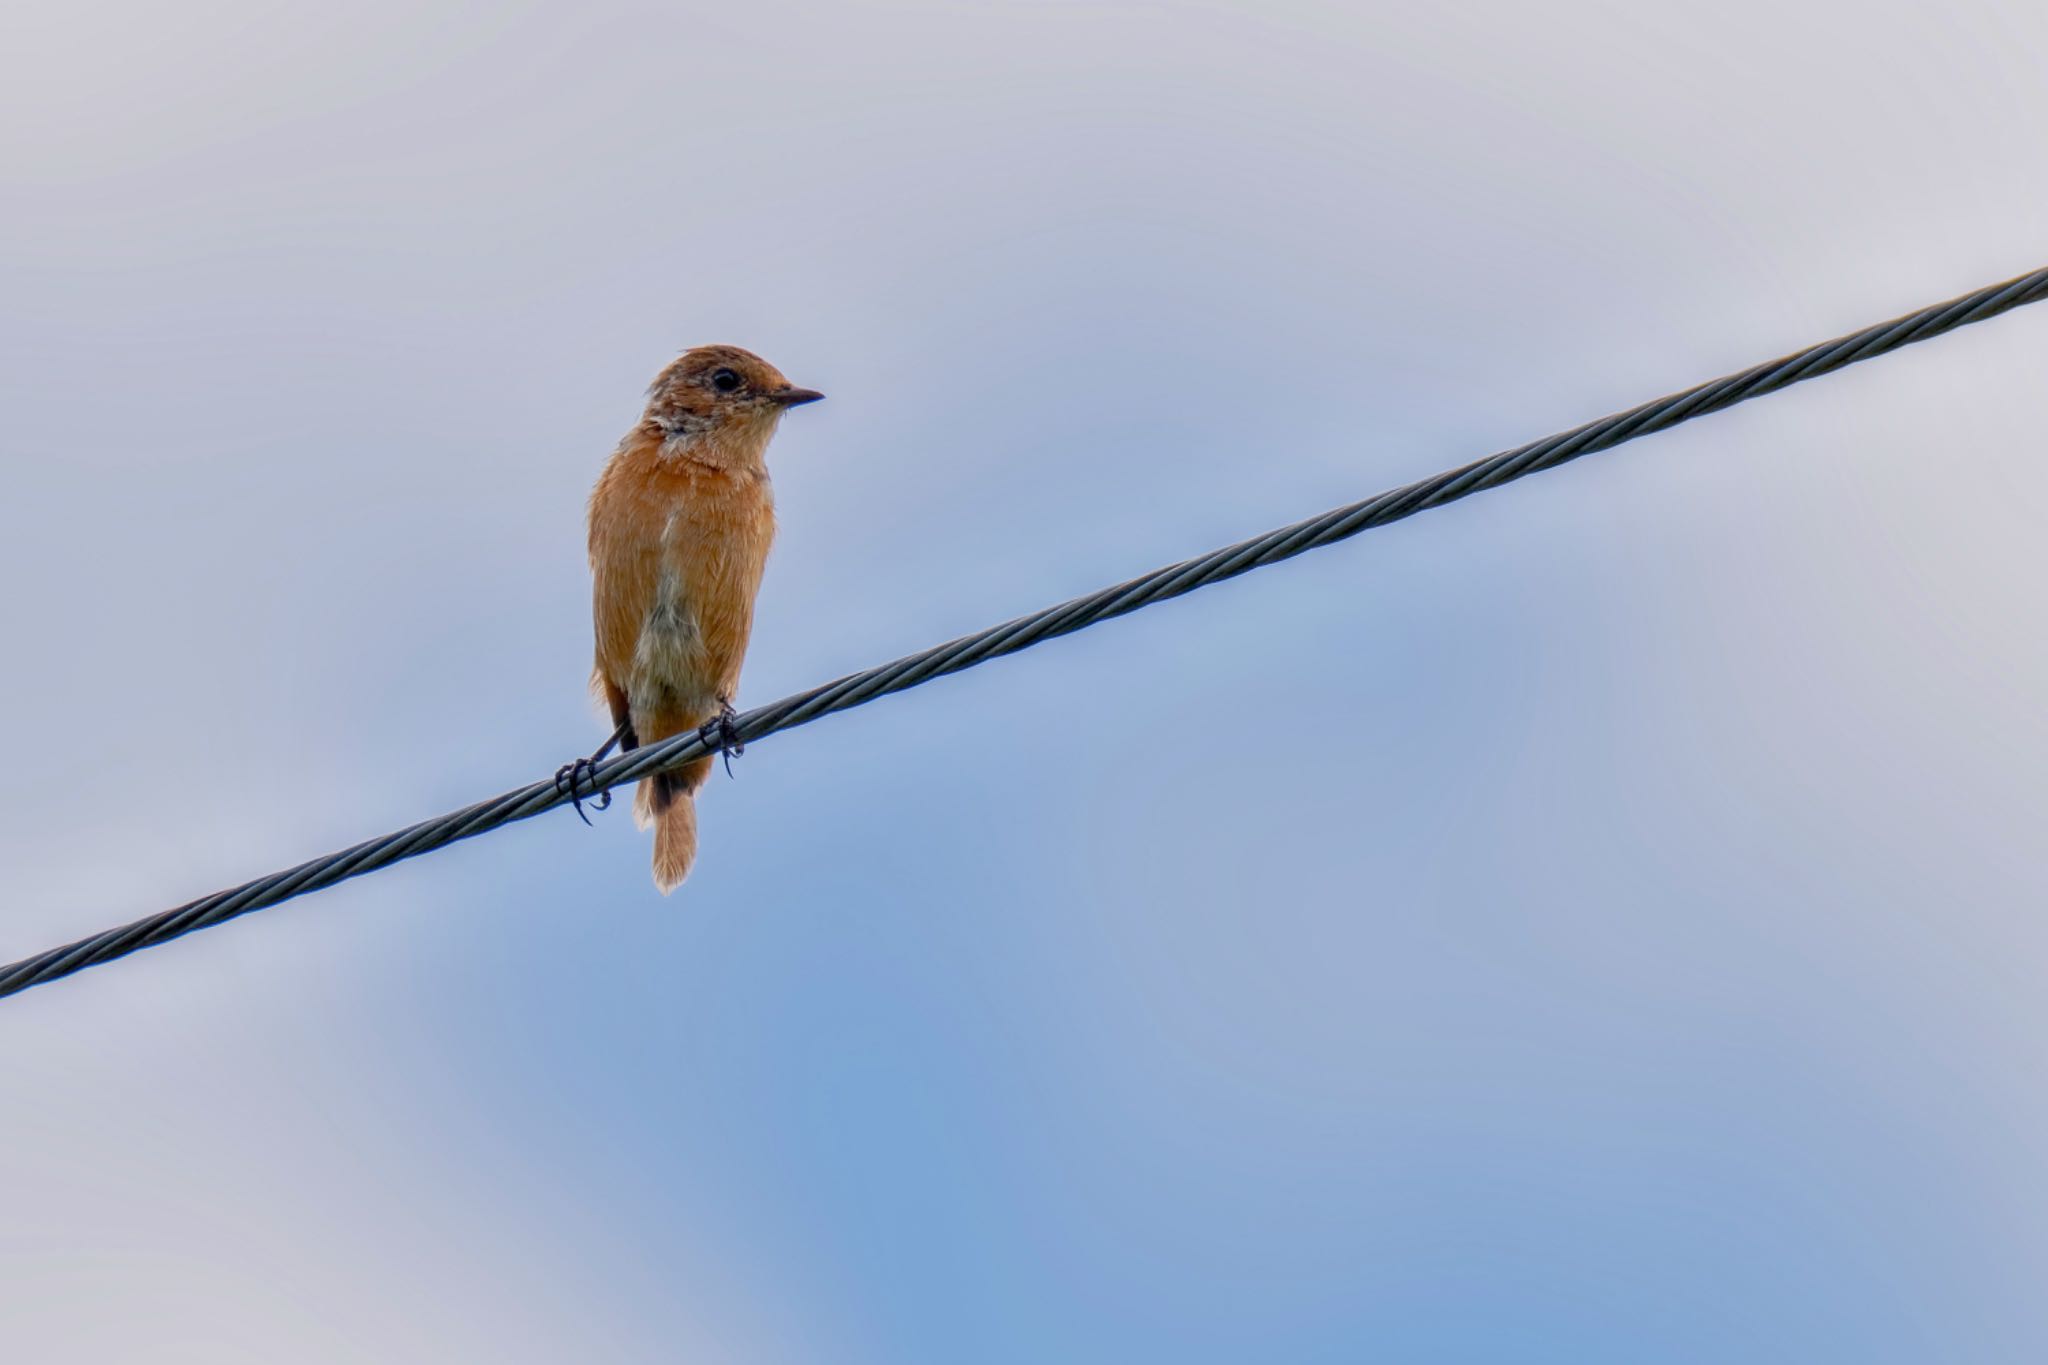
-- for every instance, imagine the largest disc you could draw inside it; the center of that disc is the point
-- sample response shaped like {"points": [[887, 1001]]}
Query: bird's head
{"points": [[722, 401]]}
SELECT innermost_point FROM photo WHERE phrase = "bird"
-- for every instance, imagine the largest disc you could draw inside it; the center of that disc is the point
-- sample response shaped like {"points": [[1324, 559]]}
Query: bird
{"points": [[681, 522]]}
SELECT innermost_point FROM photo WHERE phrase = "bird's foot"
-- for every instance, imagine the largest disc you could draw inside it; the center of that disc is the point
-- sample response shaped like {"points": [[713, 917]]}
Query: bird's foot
{"points": [[569, 775], [722, 733]]}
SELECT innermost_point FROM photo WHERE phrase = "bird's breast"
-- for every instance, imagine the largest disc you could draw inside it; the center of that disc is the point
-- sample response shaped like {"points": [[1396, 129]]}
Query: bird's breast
{"points": [[712, 551], [714, 545], [679, 549]]}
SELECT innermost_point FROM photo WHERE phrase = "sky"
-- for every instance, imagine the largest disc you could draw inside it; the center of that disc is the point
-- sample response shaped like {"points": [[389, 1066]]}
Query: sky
{"points": [[1600, 921]]}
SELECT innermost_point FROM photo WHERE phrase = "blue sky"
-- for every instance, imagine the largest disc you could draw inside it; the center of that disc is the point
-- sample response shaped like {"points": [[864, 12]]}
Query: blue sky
{"points": [[1599, 921]]}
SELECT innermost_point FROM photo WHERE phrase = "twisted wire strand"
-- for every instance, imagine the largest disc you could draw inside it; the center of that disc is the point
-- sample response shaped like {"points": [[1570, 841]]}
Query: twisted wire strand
{"points": [[857, 689]]}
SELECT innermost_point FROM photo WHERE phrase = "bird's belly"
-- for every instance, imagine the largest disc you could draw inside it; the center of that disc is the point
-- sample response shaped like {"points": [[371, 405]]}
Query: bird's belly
{"points": [[673, 672]]}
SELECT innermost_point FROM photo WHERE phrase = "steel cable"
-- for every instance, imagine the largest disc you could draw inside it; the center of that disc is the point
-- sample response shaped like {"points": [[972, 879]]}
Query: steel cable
{"points": [[1175, 579]]}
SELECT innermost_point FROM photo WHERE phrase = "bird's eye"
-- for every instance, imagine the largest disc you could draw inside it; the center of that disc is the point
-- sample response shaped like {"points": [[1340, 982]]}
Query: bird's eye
{"points": [[725, 381]]}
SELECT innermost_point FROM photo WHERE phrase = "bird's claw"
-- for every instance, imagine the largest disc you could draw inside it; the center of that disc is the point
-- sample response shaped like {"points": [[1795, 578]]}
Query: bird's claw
{"points": [[567, 778], [722, 733]]}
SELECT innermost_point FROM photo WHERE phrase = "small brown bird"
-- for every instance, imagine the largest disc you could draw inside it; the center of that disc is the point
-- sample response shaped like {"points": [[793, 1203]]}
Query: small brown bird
{"points": [[680, 525]]}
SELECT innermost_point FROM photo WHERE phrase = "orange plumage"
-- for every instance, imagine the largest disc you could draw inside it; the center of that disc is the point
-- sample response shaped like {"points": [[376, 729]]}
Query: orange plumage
{"points": [[680, 525]]}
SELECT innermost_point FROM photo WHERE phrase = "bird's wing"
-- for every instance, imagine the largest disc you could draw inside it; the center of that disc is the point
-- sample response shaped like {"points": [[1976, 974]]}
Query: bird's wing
{"points": [[625, 569]]}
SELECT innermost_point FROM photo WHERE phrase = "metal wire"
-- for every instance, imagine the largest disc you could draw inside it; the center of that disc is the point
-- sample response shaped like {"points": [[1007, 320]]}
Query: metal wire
{"points": [[860, 688]]}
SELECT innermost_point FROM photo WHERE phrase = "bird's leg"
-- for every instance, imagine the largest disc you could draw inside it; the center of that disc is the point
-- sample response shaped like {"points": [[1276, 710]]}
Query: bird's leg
{"points": [[570, 774], [722, 733]]}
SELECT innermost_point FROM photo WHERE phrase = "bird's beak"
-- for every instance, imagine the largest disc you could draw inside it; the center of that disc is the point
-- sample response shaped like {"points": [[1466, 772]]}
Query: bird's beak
{"points": [[795, 398]]}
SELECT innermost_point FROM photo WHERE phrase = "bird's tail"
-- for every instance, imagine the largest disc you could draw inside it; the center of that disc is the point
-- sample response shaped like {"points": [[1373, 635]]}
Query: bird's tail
{"points": [[668, 803]]}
